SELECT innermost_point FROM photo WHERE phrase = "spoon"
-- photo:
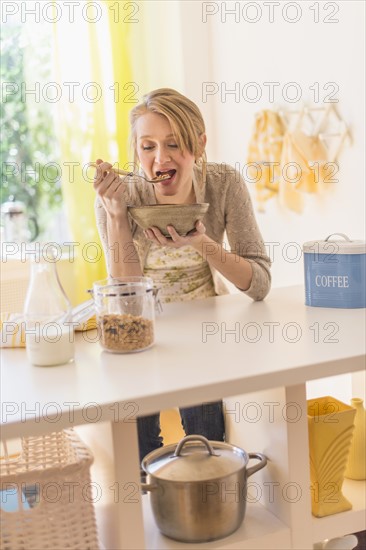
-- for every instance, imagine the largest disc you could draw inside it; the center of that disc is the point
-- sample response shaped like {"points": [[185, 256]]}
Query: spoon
{"points": [[125, 173]]}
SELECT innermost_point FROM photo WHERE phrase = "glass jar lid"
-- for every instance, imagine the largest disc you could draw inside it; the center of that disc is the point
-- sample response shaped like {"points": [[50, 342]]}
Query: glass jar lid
{"points": [[123, 286]]}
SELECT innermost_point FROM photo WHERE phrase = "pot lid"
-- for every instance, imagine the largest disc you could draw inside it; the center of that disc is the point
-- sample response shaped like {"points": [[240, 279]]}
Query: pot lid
{"points": [[195, 459], [330, 246]]}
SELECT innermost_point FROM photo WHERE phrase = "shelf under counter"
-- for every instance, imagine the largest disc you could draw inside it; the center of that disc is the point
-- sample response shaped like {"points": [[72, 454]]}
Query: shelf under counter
{"points": [[351, 521], [260, 529], [202, 353]]}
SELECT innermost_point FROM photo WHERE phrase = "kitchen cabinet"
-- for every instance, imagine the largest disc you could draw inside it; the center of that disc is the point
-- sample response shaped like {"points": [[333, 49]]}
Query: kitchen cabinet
{"points": [[205, 350]]}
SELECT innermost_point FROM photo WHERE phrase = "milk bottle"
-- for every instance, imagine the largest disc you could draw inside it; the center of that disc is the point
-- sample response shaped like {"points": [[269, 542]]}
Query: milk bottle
{"points": [[49, 333]]}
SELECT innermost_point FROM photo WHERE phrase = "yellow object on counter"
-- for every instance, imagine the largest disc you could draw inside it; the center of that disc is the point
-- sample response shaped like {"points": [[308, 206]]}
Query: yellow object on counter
{"points": [[12, 329], [90, 324]]}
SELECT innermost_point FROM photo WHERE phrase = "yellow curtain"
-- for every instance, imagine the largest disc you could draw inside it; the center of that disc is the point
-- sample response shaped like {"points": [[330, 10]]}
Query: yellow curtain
{"points": [[92, 122], [124, 58]]}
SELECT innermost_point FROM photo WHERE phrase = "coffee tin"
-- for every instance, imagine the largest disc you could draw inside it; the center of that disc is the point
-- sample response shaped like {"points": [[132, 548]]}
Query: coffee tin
{"points": [[335, 272]]}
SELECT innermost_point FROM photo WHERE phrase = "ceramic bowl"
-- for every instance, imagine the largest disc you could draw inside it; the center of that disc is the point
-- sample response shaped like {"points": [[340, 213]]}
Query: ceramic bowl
{"points": [[181, 216]]}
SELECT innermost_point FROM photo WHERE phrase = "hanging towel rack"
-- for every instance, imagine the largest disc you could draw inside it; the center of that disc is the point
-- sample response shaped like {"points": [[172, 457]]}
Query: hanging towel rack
{"points": [[321, 126]]}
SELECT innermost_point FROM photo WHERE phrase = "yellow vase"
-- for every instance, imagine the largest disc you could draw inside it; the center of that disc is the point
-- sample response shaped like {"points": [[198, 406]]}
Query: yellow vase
{"points": [[356, 465], [330, 424]]}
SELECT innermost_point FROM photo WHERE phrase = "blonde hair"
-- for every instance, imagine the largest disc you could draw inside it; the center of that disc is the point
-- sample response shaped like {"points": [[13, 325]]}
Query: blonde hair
{"points": [[184, 117]]}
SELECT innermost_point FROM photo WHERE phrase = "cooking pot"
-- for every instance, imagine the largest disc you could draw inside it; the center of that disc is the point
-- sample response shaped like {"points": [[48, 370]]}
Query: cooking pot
{"points": [[198, 488]]}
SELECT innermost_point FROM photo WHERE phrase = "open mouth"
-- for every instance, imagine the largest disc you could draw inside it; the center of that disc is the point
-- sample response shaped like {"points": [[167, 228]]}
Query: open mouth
{"points": [[164, 175]]}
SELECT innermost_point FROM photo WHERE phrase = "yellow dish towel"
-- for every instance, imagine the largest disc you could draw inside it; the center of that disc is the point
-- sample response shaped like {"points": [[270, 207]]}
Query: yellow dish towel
{"points": [[266, 147], [302, 168], [90, 324], [12, 329]]}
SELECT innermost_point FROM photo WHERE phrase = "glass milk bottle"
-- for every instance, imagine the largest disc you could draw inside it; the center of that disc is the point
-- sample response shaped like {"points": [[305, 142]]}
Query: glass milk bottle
{"points": [[49, 334]]}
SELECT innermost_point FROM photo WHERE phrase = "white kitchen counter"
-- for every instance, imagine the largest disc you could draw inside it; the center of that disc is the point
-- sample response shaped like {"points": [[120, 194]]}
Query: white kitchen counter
{"points": [[205, 350]]}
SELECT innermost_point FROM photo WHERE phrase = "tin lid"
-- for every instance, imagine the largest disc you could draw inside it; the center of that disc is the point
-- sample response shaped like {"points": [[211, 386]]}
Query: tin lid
{"points": [[335, 246]]}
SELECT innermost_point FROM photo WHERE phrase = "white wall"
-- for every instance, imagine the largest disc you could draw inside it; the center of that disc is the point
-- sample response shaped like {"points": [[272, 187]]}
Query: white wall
{"points": [[224, 52]]}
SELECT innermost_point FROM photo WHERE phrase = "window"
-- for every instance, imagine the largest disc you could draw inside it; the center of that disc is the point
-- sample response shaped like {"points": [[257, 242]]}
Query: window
{"points": [[29, 149]]}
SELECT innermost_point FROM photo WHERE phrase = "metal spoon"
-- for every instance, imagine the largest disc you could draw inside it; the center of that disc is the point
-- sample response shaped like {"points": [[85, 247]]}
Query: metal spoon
{"points": [[125, 173]]}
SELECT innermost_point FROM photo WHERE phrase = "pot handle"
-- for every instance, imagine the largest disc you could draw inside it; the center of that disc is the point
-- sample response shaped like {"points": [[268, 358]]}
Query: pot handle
{"points": [[339, 235], [259, 466], [200, 438], [148, 487]]}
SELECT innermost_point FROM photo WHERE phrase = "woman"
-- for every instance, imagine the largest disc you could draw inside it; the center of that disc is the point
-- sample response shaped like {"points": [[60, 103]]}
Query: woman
{"points": [[168, 136]]}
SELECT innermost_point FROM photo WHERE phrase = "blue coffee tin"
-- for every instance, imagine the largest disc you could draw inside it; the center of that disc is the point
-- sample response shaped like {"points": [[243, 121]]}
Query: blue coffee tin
{"points": [[335, 272]]}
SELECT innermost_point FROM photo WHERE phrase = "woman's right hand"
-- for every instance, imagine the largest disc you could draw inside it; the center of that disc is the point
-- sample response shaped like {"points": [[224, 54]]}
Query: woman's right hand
{"points": [[110, 189]]}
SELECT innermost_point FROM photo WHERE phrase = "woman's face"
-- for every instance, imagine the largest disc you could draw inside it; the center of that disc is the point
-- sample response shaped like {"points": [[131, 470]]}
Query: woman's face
{"points": [[158, 153]]}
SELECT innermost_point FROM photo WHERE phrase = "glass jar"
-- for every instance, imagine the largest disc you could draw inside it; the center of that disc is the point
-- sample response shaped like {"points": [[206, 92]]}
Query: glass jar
{"points": [[49, 334], [125, 309]]}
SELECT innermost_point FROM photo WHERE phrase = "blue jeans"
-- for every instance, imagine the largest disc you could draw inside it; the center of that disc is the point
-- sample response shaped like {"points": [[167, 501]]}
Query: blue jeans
{"points": [[206, 420]]}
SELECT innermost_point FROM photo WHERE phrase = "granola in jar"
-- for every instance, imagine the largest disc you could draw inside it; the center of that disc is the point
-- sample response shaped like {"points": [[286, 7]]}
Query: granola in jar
{"points": [[126, 332]]}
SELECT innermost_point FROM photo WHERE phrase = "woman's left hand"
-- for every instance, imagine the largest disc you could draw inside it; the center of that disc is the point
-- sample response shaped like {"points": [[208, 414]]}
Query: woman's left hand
{"points": [[176, 241]]}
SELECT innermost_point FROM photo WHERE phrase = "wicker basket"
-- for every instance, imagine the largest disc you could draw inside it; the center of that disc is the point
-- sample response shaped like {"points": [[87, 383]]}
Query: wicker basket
{"points": [[49, 482]]}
